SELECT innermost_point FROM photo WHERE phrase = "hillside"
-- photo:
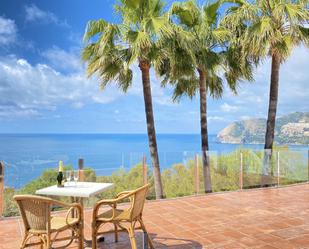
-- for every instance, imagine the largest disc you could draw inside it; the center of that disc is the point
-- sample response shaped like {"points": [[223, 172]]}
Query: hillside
{"points": [[290, 129]]}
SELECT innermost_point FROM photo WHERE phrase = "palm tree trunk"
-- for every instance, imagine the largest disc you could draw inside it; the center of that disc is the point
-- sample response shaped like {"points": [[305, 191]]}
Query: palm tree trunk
{"points": [[204, 132], [145, 68], [271, 119], [273, 102]]}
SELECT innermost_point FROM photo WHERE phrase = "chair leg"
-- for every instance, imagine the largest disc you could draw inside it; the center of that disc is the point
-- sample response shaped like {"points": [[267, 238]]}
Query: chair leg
{"points": [[116, 232], [144, 229], [23, 243], [48, 242], [42, 246], [45, 242], [132, 236], [80, 237], [94, 237]]}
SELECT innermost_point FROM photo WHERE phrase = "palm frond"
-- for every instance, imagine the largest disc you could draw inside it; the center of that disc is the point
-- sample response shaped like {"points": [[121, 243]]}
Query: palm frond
{"points": [[187, 13], [111, 49], [211, 12], [304, 35], [94, 28], [186, 86], [214, 84]]}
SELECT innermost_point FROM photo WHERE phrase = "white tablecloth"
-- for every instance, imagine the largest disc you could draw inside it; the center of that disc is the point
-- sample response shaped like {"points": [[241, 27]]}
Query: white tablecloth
{"points": [[79, 189]]}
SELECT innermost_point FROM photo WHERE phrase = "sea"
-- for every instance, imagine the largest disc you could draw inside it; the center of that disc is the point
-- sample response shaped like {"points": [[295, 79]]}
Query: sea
{"points": [[26, 156]]}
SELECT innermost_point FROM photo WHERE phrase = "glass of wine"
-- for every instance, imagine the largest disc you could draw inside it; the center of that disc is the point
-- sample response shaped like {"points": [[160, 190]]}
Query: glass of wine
{"points": [[75, 176], [68, 176]]}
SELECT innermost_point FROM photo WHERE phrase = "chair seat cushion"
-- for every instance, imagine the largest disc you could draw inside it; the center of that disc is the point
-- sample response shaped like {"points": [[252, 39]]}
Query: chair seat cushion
{"points": [[119, 215], [59, 223]]}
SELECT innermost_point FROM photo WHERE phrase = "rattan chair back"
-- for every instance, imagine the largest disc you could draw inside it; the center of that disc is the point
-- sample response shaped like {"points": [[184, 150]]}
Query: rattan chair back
{"points": [[139, 197], [35, 211]]}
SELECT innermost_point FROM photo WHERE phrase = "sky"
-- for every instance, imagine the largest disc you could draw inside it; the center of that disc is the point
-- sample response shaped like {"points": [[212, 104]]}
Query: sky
{"points": [[44, 88]]}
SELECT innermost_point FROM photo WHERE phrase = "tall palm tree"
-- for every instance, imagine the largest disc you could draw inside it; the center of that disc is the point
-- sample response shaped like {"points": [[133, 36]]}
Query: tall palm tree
{"points": [[113, 48], [195, 58], [275, 27]]}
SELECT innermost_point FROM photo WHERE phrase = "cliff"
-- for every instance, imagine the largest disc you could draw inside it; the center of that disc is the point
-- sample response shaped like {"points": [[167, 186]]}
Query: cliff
{"points": [[290, 129]]}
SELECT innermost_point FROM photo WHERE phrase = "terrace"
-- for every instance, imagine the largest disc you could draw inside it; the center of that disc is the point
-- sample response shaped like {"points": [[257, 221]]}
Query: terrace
{"points": [[258, 218]]}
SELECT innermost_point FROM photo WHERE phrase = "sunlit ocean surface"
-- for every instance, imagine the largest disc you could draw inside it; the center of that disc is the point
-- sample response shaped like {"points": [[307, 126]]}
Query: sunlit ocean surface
{"points": [[27, 155]]}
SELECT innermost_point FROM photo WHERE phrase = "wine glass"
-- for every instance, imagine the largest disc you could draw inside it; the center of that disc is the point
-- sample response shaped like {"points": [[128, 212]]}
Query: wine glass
{"points": [[68, 176], [75, 176]]}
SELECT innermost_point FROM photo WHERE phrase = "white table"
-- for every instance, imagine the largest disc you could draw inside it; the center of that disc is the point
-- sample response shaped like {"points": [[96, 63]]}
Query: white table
{"points": [[78, 190]]}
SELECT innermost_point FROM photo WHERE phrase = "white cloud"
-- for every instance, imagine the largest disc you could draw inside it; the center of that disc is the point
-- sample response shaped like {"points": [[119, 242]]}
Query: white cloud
{"points": [[9, 36], [161, 96], [65, 60], [229, 108], [35, 14], [26, 90], [245, 117], [216, 118], [294, 81], [73, 63], [16, 111], [253, 100], [8, 31]]}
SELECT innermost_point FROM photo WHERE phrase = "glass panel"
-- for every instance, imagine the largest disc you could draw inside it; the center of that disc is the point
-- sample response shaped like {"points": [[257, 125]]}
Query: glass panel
{"points": [[259, 168], [293, 167], [178, 174], [181, 172], [225, 175]]}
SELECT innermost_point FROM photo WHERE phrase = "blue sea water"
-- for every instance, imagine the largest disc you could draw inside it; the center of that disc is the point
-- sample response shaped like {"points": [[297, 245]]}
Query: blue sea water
{"points": [[27, 155]]}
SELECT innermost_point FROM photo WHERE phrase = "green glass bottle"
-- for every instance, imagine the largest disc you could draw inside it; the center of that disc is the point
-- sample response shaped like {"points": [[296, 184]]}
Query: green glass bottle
{"points": [[60, 175]]}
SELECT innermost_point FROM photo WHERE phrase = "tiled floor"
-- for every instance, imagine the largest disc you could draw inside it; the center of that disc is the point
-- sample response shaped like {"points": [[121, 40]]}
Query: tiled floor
{"points": [[265, 219]]}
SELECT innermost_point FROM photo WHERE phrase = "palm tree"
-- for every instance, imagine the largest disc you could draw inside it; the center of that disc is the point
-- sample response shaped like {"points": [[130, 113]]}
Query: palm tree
{"points": [[275, 27], [195, 57], [113, 48]]}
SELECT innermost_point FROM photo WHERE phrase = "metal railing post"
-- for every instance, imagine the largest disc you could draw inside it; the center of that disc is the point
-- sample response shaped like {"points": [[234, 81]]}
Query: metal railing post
{"points": [[308, 164], [278, 168], [241, 172], [145, 170], [196, 175], [1, 188]]}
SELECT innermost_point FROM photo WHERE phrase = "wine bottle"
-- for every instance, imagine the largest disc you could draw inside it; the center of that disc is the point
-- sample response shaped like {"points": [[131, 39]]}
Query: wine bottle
{"points": [[60, 175]]}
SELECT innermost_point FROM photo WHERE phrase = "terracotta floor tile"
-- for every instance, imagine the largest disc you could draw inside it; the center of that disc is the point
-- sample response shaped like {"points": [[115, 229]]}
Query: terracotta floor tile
{"points": [[230, 233], [290, 232], [301, 240], [284, 244], [251, 242], [268, 247], [275, 218], [267, 238]]}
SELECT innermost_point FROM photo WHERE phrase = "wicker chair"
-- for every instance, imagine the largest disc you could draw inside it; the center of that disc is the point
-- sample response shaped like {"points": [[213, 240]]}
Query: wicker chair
{"points": [[125, 219], [36, 214]]}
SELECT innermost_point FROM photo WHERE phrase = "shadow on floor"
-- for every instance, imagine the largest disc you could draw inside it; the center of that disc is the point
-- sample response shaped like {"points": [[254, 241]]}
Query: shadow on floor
{"points": [[176, 243], [159, 242]]}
